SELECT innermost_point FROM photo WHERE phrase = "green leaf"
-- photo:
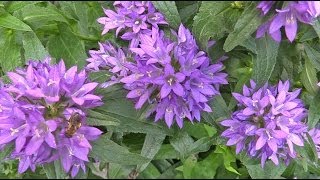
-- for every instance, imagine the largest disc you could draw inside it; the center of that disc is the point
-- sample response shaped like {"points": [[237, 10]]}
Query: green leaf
{"points": [[309, 77], [16, 5], [10, 56], [313, 54], [6, 151], [108, 151], [118, 107], [38, 15], [270, 171], [207, 168], [311, 149], [49, 170], [228, 158], [214, 19], [248, 23], [11, 22], [219, 108], [167, 152], [54, 170], [170, 11], [68, 47], [316, 26], [151, 146], [181, 142], [188, 165], [98, 119], [314, 113], [187, 9], [265, 61], [33, 48]]}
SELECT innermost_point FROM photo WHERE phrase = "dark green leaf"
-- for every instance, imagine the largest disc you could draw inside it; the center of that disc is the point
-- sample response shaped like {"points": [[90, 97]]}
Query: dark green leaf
{"points": [[245, 26], [68, 47], [214, 20], [169, 9], [16, 5], [265, 61], [207, 168], [108, 151], [270, 171], [98, 119], [6, 151], [151, 146], [181, 143], [314, 113], [167, 152], [309, 77], [313, 54], [316, 26]]}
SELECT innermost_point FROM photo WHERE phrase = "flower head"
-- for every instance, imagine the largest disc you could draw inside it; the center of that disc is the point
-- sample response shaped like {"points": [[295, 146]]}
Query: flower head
{"points": [[36, 114], [268, 122], [176, 79]]}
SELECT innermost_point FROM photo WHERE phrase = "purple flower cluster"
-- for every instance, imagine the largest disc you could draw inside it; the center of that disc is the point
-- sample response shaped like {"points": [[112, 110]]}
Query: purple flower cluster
{"points": [[303, 11], [36, 111], [134, 17], [268, 122], [175, 78]]}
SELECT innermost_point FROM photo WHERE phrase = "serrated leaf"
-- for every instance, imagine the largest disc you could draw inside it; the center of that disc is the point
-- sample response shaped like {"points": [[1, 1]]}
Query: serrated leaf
{"points": [[68, 47], [11, 22], [151, 146], [314, 113], [188, 165], [213, 20], [270, 171], [187, 9], [33, 48], [54, 170], [170, 11], [313, 55], [309, 77], [265, 61], [10, 56], [108, 151], [248, 23]]}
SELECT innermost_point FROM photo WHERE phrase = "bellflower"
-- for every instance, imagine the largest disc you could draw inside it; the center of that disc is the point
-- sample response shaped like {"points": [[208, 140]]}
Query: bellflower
{"points": [[134, 17], [176, 79], [268, 123], [288, 17], [35, 112]]}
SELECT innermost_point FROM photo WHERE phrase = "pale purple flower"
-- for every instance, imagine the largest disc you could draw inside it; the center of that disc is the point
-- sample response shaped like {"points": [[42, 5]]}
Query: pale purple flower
{"points": [[268, 123]]}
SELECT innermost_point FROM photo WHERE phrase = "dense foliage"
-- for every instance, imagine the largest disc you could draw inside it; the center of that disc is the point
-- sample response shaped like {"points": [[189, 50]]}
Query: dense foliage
{"points": [[161, 89]]}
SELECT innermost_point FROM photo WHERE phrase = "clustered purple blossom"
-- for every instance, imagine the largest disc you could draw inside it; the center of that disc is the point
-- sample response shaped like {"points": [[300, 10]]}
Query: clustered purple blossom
{"points": [[34, 112], [303, 11], [268, 122], [134, 17], [175, 78]]}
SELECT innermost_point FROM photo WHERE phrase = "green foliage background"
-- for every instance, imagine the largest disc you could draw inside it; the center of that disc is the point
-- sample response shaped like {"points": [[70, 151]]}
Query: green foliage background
{"points": [[134, 146]]}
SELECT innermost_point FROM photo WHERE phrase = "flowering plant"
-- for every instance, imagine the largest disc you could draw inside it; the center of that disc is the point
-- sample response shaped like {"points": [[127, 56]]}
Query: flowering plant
{"points": [[159, 89]]}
